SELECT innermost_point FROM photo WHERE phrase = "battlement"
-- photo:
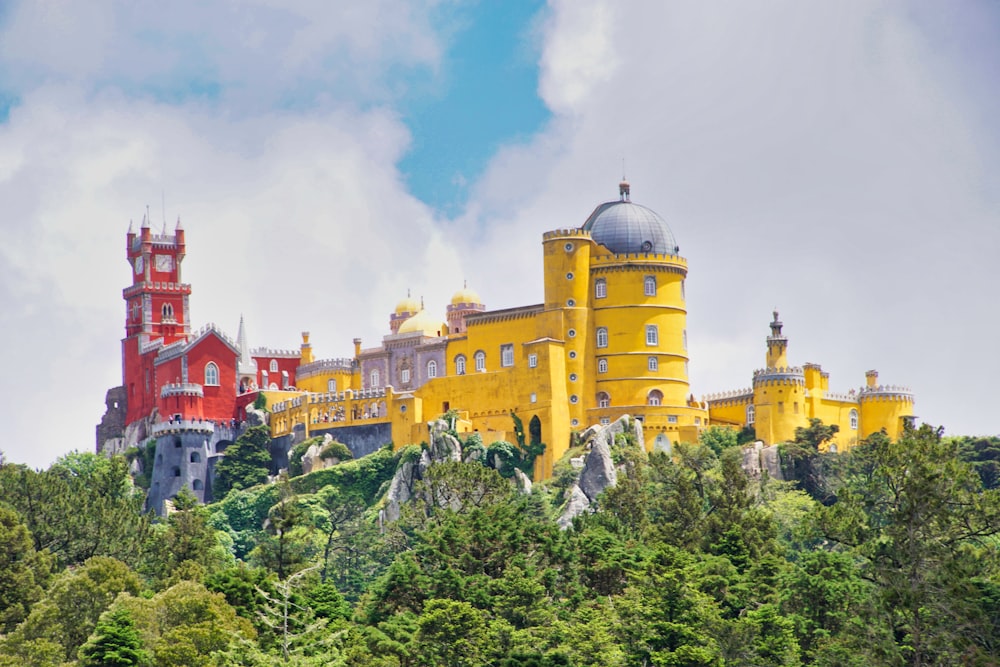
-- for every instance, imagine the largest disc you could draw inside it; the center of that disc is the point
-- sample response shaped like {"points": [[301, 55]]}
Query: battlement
{"points": [[182, 389], [780, 375], [566, 234], [885, 392], [321, 366], [211, 327], [849, 397], [156, 285], [280, 354], [665, 258], [734, 396], [327, 397], [171, 351], [182, 426]]}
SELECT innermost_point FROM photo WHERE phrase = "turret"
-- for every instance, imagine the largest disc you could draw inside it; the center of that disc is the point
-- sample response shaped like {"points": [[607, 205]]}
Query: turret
{"points": [[306, 352], [465, 302], [777, 346]]}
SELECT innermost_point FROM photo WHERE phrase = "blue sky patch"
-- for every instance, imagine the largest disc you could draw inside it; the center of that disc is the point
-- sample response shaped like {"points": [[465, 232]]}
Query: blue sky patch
{"points": [[486, 95]]}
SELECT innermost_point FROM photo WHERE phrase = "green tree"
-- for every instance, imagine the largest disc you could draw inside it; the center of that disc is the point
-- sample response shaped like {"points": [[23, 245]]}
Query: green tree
{"points": [[718, 438], [247, 462], [114, 643], [23, 571], [916, 518], [72, 605], [806, 461], [285, 544], [451, 634]]}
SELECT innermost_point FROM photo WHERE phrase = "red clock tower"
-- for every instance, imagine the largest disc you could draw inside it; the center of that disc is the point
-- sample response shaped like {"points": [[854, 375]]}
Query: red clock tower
{"points": [[156, 312]]}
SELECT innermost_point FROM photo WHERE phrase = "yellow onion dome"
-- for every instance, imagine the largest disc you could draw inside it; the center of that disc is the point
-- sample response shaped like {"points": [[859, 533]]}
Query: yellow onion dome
{"points": [[424, 323], [407, 305], [465, 295]]}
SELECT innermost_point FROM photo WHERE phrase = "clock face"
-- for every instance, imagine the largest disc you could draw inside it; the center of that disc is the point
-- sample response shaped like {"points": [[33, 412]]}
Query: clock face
{"points": [[138, 265], [164, 263]]}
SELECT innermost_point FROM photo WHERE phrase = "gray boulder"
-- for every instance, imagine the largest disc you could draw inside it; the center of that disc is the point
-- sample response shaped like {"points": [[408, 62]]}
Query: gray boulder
{"points": [[598, 470], [577, 504], [521, 482]]}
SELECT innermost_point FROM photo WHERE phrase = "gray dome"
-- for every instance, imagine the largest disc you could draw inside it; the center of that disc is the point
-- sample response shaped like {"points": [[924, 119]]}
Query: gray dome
{"points": [[623, 227]]}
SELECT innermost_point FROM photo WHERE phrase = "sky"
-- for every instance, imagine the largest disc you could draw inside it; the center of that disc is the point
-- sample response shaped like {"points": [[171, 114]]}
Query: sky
{"points": [[837, 162]]}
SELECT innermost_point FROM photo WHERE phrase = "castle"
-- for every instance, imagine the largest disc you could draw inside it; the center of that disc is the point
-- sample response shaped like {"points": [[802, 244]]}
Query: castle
{"points": [[609, 339]]}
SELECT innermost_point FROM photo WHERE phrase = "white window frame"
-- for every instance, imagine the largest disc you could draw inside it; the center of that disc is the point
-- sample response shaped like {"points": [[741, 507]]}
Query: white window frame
{"points": [[374, 379], [274, 366], [653, 364], [331, 386], [285, 384], [602, 336], [854, 419], [654, 397], [432, 369], [603, 399], [600, 288], [751, 414], [532, 360], [602, 365], [212, 374], [671, 419], [480, 361], [649, 285], [507, 355], [460, 364], [652, 335], [404, 375]]}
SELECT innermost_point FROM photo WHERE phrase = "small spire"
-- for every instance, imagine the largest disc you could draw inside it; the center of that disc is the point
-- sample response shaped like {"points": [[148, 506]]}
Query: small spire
{"points": [[178, 226], [130, 231], [624, 190], [421, 302]]}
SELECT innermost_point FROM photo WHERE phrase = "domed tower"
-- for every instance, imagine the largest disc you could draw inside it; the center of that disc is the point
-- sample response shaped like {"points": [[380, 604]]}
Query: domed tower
{"points": [[425, 324], [405, 309], [465, 302], [632, 331]]}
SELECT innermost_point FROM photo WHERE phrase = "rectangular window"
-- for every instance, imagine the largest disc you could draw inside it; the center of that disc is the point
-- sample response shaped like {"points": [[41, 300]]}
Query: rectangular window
{"points": [[652, 335], [653, 364], [506, 355], [404, 375], [532, 360], [600, 289], [534, 397], [605, 421], [649, 286], [671, 419]]}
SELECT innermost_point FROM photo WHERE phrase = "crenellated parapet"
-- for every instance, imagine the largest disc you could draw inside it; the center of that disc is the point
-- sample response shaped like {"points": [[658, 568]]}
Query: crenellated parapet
{"points": [[156, 285], [322, 366], [639, 261], [182, 389], [279, 354], [793, 375], [175, 426], [735, 397], [312, 398], [885, 392], [556, 234], [843, 398]]}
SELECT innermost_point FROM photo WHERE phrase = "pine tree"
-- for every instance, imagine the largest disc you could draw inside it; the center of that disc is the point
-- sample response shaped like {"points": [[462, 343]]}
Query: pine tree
{"points": [[114, 643]]}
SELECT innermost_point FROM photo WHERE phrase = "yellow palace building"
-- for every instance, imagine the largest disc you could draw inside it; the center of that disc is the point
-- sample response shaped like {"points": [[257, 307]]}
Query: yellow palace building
{"points": [[609, 339]]}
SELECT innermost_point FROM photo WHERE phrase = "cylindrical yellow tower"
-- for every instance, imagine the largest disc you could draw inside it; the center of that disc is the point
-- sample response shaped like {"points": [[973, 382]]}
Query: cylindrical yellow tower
{"points": [[883, 407], [567, 265]]}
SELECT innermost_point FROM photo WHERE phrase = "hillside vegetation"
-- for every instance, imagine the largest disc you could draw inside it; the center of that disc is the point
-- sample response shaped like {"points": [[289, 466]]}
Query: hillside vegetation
{"points": [[886, 555]]}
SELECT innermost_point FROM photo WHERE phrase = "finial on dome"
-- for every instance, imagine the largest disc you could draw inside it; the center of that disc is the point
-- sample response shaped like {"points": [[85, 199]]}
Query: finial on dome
{"points": [[421, 302], [624, 190]]}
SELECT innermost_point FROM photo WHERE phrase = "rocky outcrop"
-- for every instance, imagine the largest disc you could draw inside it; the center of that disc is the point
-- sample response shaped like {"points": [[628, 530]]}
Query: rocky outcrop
{"points": [[599, 471], [312, 460], [256, 417], [444, 446], [403, 485], [758, 459], [521, 482]]}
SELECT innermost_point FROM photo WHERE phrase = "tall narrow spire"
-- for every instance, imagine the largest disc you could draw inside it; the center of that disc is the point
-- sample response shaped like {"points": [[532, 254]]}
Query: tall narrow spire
{"points": [[244, 364]]}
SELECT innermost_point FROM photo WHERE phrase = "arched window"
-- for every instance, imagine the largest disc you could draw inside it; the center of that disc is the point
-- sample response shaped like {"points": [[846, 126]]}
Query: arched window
{"points": [[195, 457], [460, 365], [373, 378], [653, 364], [274, 366], [273, 386], [652, 335], [331, 386], [480, 358], [750, 415], [854, 420], [654, 397], [603, 399], [432, 369], [176, 471], [211, 373], [168, 311], [602, 337], [602, 365], [197, 485], [649, 286], [600, 288]]}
